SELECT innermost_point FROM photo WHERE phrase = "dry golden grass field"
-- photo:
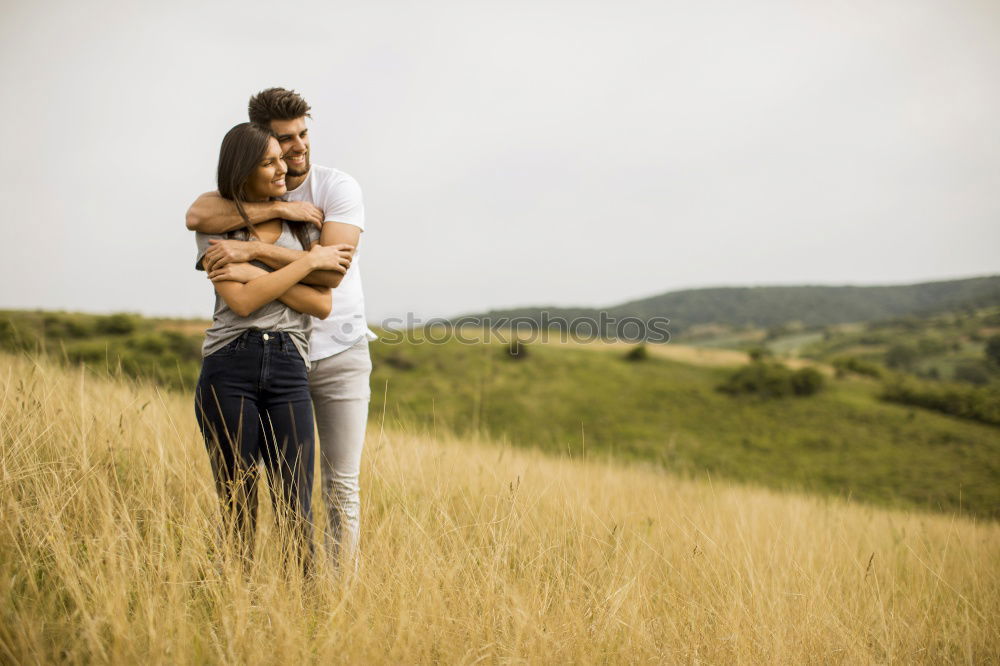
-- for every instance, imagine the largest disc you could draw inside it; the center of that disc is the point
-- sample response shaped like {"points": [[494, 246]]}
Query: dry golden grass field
{"points": [[471, 553]]}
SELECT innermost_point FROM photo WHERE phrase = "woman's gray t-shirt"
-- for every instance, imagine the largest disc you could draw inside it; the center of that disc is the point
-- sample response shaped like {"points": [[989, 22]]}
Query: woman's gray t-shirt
{"points": [[273, 316]]}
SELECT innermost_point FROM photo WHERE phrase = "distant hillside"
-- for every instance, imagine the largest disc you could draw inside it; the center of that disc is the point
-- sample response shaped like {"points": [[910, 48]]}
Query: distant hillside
{"points": [[770, 306]]}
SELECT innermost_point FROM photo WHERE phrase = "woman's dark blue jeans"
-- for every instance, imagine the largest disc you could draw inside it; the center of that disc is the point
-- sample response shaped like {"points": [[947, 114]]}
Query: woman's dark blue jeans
{"points": [[252, 404]]}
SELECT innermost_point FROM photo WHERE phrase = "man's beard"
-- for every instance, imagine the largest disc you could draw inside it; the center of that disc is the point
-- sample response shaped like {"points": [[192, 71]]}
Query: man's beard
{"points": [[292, 171]]}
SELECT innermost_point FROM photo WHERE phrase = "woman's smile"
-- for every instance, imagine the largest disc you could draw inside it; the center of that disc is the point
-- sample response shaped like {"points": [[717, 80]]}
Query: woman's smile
{"points": [[268, 178]]}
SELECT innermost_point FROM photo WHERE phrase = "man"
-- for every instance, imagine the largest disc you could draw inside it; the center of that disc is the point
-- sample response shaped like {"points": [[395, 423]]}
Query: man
{"points": [[338, 347]]}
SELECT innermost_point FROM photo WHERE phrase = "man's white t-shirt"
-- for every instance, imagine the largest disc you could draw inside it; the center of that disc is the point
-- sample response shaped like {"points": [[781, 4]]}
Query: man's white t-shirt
{"points": [[339, 197]]}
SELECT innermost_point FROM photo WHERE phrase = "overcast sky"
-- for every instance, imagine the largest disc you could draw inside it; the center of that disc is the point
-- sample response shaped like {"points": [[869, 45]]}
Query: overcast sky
{"points": [[564, 153]]}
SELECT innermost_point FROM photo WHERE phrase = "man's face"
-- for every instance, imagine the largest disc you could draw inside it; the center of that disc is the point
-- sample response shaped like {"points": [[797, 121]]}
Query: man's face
{"points": [[293, 135]]}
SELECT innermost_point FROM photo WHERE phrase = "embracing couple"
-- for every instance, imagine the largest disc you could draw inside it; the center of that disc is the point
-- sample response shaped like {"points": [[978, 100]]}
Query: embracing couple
{"points": [[278, 241]]}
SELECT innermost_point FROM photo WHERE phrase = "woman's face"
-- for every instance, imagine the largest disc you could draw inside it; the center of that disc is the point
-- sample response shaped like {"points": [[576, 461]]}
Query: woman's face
{"points": [[268, 178]]}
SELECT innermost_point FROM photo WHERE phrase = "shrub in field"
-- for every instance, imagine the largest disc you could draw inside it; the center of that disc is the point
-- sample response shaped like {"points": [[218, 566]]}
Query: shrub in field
{"points": [[931, 346], [150, 343], [119, 342], [807, 381], [759, 353], [901, 356], [873, 338], [857, 366], [763, 379], [88, 351], [78, 328], [972, 373], [10, 337], [637, 353], [399, 362], [992, 350], [767, 380], [117, 324], [517, 350], [184, 347], [772, 380], [978, 403], [775, 332], [66, 326]]}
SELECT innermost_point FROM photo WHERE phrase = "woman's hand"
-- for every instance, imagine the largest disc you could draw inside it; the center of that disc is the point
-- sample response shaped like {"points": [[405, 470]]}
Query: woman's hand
{"points": [[237, 272], [224, 252], [331, 257]]}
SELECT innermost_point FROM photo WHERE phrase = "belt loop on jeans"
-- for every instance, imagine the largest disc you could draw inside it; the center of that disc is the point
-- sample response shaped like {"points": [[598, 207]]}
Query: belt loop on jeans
{"points": [[241, 341]]}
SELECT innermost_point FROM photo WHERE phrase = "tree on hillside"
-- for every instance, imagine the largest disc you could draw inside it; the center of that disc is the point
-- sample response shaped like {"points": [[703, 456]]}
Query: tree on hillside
{"points": [[972, 373], [637, 353], [993, 350], [901, 356], [517, 350], [767, 379]]}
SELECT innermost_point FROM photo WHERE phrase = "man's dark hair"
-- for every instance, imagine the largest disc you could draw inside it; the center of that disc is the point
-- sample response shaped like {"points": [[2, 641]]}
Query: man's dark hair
{"points": [[276, 104]]}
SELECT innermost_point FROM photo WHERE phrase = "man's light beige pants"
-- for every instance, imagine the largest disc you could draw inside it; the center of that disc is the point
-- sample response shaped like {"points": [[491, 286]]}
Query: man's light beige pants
{"points": [[340, 395]]}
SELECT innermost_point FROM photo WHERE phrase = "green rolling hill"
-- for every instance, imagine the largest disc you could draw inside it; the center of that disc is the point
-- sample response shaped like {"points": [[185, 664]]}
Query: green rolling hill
{"points": [[812, 306]]}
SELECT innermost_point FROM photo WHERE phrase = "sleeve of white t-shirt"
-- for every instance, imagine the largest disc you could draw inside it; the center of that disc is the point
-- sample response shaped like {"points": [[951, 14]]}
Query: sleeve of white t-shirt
{"points": [[342, 201]]}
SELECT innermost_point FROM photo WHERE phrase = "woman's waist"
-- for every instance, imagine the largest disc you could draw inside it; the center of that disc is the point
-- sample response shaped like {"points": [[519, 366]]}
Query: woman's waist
{"points": [[256, 341], [264, 334], [228, 333], [283, 319], [226, 329]]}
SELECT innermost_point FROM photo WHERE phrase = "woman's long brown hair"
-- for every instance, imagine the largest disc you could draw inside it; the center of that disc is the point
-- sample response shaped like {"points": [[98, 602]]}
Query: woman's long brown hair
{"points": [[243, 147]]}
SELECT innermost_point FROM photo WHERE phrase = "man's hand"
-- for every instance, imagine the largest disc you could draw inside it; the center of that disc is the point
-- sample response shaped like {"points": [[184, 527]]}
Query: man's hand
{"points": [[331, 257], [236, 272], [302, 211], [225, 252]]}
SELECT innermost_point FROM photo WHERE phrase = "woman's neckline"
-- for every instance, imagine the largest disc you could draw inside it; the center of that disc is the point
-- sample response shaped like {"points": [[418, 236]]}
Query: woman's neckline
{"points": [[281, 232]]}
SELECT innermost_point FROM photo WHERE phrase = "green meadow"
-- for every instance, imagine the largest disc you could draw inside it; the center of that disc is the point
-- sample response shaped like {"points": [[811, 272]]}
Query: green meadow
{"points": [[593, 401], [843, 440]]}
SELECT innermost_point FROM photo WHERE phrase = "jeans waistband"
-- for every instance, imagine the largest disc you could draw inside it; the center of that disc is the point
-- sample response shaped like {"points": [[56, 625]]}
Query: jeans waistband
{"points": [[282, 338]]}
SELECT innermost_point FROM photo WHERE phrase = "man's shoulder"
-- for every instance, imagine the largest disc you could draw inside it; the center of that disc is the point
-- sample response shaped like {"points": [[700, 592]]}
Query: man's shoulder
{"points": [[339, 195], [329, 176]]}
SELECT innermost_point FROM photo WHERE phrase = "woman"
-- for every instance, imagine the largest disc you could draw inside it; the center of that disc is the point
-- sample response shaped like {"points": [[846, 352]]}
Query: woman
{"points": [[252, 399]]}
